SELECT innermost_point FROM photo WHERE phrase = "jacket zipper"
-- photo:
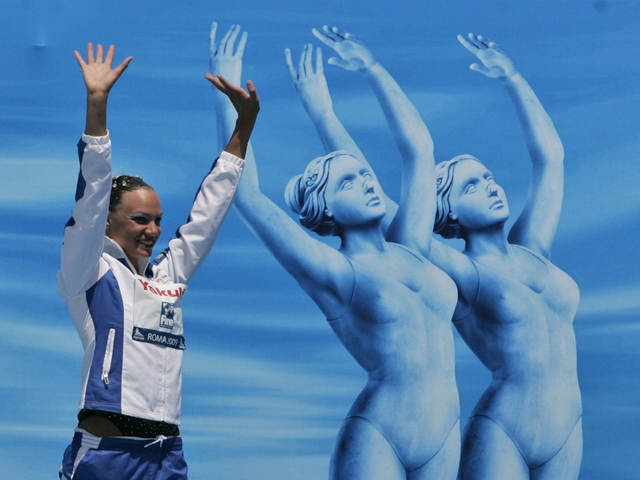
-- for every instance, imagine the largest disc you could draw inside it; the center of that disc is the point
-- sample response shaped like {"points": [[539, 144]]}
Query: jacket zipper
{"points": [[108, 355]]}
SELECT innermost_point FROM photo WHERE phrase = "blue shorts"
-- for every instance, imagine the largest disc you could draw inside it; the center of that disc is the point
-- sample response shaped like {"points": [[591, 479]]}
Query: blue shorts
{"points": [[111, 458]]}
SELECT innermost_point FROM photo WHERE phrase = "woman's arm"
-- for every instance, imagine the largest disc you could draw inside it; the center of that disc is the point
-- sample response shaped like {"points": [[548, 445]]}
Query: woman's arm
{"points": [[84, 232], [194, 240], [99, 78], [246, 105], [413, 222], [536, 226]]}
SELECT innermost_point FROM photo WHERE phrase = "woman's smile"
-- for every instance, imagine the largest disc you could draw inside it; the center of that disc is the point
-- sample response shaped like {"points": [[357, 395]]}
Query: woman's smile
{"points": [[135, 224]]}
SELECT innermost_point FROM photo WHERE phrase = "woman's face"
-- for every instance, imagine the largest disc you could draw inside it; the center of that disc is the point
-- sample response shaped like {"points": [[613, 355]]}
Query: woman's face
{"points": [[476, 200], [353, 195], [135, 224]]}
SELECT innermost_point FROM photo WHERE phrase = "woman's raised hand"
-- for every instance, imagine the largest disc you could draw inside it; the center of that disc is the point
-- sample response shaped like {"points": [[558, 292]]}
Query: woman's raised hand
{"points": [[496, 62], [98, 75], [246, 103], [99, 78]]}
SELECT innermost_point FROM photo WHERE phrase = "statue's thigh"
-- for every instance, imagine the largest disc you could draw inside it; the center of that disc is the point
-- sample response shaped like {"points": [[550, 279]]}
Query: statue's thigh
{"points": [[444, 464], [488, 453], [362, 453], [566, 463]]}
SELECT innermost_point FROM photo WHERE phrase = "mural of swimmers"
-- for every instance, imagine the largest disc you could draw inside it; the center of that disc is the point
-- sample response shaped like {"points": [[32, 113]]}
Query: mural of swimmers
{"points": [[392, 290]]}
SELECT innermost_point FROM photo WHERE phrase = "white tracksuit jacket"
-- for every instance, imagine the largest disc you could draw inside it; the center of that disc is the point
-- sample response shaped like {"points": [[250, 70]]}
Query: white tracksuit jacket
{"points": [[130, 324]]}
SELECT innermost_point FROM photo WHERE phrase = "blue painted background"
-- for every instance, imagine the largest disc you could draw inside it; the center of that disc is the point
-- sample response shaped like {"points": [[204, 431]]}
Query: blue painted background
{"points": [[266, 382]]}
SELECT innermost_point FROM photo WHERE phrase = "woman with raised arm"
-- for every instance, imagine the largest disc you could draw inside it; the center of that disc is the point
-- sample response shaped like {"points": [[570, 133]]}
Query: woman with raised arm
{"points": [[125, 307], [389, 306]]}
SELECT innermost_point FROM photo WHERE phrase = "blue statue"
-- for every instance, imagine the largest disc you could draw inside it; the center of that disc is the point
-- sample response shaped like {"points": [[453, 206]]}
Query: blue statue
{"points": [[515, 309], [389, 305]]}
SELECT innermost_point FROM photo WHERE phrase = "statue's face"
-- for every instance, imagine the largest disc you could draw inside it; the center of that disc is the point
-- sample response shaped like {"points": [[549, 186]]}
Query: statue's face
{"points": [[353, 195], [476, 200]]}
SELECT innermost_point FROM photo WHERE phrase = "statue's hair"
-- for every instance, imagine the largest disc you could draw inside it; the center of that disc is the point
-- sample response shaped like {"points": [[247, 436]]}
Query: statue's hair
{"points": [[124, 183], [444, 224], [305, 195]]}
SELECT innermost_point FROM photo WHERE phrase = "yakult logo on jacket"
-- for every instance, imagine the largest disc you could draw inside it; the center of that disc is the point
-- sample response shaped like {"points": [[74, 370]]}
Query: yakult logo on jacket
{"points": [[162, 292]]}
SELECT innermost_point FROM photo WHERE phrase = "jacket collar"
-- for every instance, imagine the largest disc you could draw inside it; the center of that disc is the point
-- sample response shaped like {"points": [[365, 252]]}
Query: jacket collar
{"points": [[113, 249]]}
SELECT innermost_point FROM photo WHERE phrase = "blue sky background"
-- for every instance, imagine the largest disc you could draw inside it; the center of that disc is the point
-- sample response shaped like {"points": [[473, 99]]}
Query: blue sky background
{"points": [[266, 382]]}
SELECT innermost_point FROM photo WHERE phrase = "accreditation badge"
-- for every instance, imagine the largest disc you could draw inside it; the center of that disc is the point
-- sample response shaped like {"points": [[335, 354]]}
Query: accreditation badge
{"points": [[157, 313]]}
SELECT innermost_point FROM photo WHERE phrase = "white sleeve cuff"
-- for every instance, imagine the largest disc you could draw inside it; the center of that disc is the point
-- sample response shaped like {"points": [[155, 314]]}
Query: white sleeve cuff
{"points": [[229, 157], [91, 140]]}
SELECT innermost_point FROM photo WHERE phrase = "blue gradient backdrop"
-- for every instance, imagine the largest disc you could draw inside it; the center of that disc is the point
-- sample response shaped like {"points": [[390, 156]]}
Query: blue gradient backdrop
{"points": [[266, 382]]}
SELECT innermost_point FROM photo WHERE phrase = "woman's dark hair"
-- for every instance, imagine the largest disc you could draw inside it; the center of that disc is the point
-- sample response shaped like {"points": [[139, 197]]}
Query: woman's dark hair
{"points": [[124, 183]]}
